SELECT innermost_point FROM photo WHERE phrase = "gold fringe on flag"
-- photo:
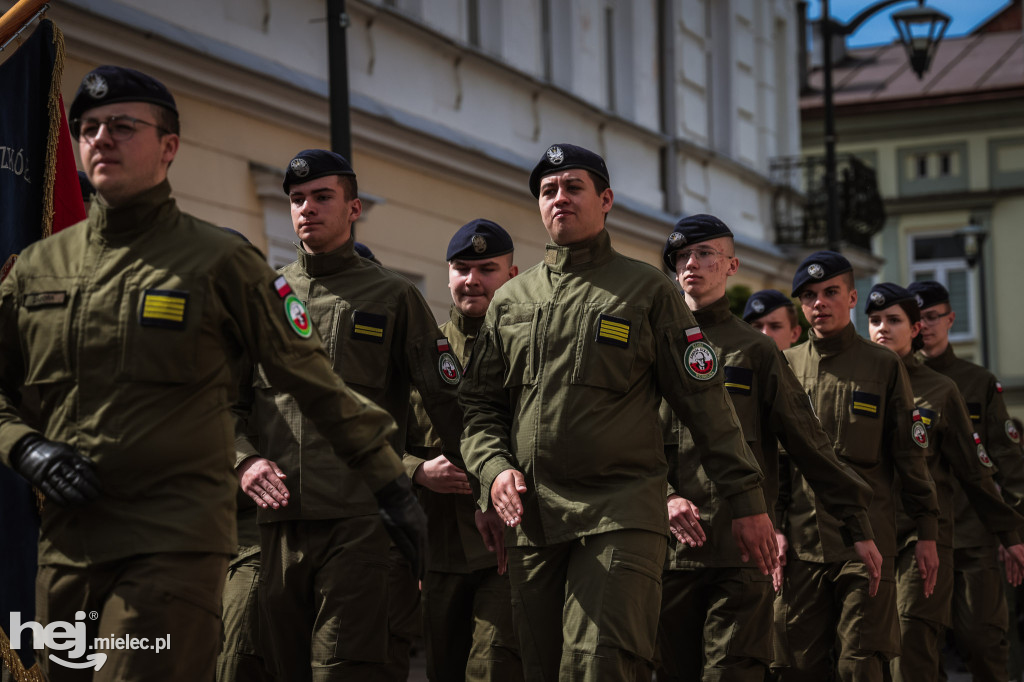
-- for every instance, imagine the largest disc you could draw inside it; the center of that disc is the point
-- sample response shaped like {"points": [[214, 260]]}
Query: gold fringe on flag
{"points": [[13, 663], [53, 136]]}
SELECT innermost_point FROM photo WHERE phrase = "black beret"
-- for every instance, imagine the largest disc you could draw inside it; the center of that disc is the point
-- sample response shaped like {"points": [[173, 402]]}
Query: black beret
{"points": [[763, 302], [885, 294], [692, 229], [928, 293], [110, 84], [479, 239], [560, 157], [818, 267], [310, 164]]}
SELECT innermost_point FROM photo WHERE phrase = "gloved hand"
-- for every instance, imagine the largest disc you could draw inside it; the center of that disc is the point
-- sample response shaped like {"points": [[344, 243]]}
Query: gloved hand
{"points": [[405, 521], [66, 476]]}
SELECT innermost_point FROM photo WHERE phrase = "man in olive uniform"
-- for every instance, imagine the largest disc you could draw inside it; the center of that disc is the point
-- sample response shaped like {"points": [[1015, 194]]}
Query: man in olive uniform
{"points": [[980, 620], [128, 328], [862, 397], [562, 431], [772, 313], [716, 610], [467, 608], [325, 571], [956, 461]]}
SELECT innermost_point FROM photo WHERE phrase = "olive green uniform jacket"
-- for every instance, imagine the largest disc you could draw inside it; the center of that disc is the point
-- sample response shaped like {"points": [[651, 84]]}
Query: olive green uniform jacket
{"points": [[454, 542], [565, 382], [382, 339], [862, 397], [983, 395], [128, 327], [771, 407], [956, 462]]}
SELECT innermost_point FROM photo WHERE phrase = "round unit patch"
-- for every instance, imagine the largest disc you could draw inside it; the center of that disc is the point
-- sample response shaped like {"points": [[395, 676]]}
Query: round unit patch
{"points": [[300, 167], [983, 456], [1011, 431], [757, 306], [920, 433], [815, 270], [555, 155], [479, 243], [298, 318], [701, 362], [676, 238], [448, 368], [95, 85]]}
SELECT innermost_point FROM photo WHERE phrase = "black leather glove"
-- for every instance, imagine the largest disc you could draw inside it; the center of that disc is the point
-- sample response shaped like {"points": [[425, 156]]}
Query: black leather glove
{"points": [[65, 476], [405, 521]]}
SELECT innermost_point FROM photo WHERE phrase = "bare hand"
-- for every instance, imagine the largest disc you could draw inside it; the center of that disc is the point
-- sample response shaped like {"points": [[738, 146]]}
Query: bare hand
{"points": [[505, 492], [263, 481], [783, 544], [492, 530], [684, 521], [755, 537], [927, 564], [1013, 558], [442, 476], [872, 558]]}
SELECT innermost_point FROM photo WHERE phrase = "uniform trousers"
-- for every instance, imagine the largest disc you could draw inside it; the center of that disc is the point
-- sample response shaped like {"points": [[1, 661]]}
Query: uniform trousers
{"points": [[831, 625], [323, 598], [587, 609], [922, 620], [716, 624], [240, 659], [170, 596], [979, 612], [403, 615], [467, 627]]}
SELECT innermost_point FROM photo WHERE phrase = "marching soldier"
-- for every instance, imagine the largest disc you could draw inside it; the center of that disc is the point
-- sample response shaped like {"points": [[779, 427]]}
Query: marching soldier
{"points": [[467, 605], [980, 620], [325, 592], [128, 327], [561, 400], [716, 613], [772, 313], [862, 397]]}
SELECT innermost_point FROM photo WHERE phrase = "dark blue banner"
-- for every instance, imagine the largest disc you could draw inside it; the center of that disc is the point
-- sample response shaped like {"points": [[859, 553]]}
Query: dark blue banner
{"points": [[26, 128]]}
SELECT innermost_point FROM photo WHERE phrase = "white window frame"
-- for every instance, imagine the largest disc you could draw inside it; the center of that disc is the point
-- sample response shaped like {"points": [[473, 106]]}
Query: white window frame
{"points": [[941, 269]]}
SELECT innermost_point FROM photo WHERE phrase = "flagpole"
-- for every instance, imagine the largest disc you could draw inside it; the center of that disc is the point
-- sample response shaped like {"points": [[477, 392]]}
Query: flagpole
{"points": [[14, 19]]}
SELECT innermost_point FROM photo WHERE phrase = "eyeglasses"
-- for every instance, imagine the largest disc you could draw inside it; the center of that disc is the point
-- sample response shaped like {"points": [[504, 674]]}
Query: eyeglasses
{"points": [[932, 318], [120, 128], [705, 256]]}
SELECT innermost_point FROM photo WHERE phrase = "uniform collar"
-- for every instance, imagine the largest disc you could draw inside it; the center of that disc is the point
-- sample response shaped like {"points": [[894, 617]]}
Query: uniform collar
{"points": [[912, 361], [320, 264], [468, 326], [124, 223], [943, 360], [579, 256], [834, 345], [713, 314]]}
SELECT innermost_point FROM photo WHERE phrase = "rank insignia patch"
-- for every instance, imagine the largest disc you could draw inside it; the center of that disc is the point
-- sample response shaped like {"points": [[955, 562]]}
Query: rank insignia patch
{"points": [[974, 409], [918, 430], [613, 331], [298, 318], [163, 308], [866, 403], [739, 380], [701, 361], [368, 326], [982, 455], [1011, 431], [281, 287], [46, 299], [928, 417]]}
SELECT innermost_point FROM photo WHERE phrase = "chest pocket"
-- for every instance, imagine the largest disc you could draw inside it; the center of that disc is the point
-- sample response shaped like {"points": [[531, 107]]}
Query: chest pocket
{"points": [[361, 343], [860, 419], [516, 334], [162, 319], [607, 343], [739, 382], [44, 321]]}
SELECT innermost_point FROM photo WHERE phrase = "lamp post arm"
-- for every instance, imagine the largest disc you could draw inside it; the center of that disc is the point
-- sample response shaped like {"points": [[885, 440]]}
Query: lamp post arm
{"points": [[852, 25]]}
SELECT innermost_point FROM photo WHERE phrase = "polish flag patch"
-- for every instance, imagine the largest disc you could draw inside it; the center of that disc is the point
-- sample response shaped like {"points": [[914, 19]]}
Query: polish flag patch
{"points": [[282, 287], [694, 334], [442, 346]]}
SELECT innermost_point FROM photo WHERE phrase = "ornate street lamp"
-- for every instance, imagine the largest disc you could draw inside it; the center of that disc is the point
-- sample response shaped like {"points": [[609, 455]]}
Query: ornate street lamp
{"points": [[921, 29]]}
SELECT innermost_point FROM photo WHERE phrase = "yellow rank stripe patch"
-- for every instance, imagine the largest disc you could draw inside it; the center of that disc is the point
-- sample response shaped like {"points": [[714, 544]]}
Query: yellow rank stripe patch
{"points": [[614, 330], [369, 331], [730, 384], [164, 308], [866, 407]]}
